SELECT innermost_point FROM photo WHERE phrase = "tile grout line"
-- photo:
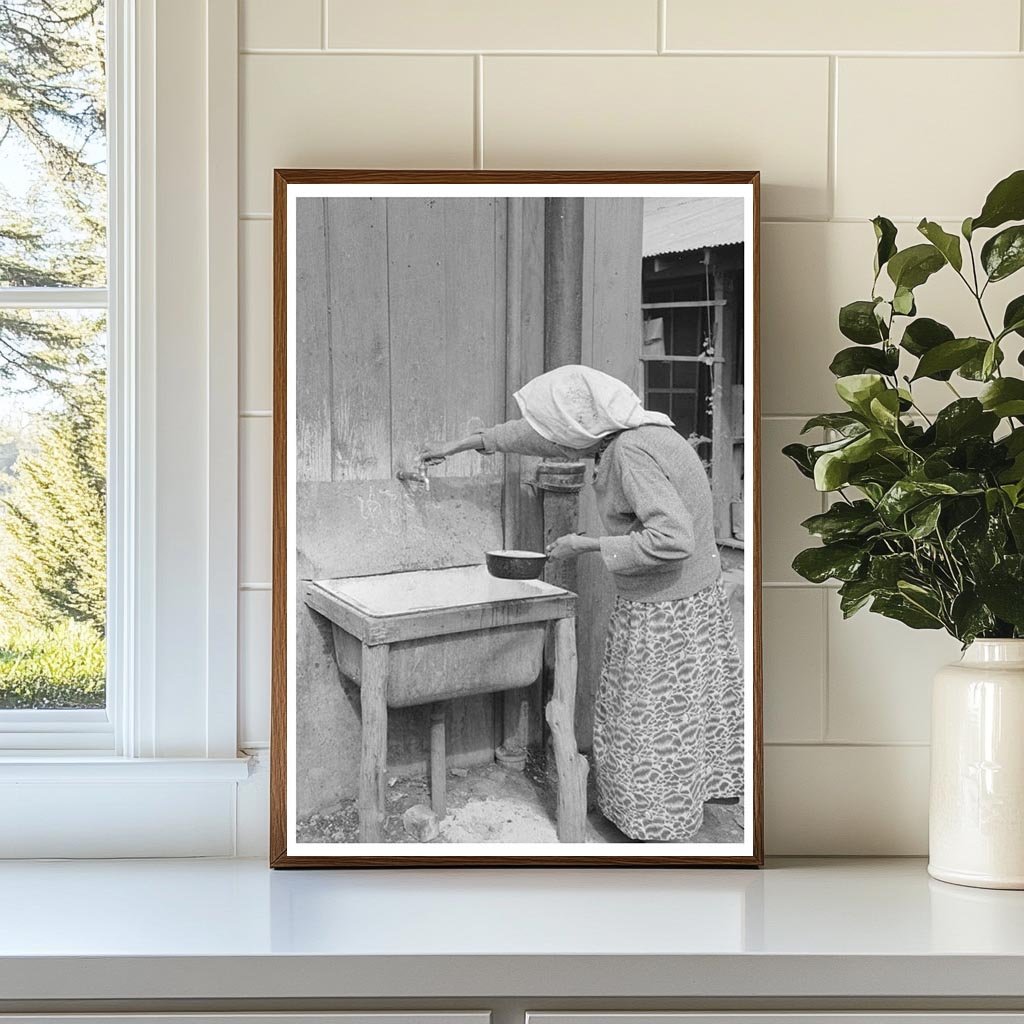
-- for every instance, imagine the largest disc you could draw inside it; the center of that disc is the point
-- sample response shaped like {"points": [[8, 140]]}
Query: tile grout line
{"points": [[662, 28], [323, 24], [351, 51], [1020, 26], [852, 744], [478, 111], [824, 714], [832, 145]]}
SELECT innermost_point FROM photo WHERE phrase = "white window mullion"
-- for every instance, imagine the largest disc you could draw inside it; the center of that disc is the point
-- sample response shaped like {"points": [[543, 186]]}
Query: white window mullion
{"points": [[53, 298]]}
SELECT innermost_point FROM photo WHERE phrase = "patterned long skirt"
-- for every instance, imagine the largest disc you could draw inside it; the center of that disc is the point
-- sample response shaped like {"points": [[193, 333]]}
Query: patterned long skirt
{"points": [[668, 719]]}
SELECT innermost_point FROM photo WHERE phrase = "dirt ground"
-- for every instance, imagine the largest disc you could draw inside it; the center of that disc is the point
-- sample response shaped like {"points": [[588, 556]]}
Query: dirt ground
{"points": [[492, 804]]}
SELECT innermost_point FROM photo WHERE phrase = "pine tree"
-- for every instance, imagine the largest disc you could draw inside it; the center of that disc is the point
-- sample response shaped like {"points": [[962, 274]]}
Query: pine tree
{"points": [[53, 118], [53, 522], [53, 123]]}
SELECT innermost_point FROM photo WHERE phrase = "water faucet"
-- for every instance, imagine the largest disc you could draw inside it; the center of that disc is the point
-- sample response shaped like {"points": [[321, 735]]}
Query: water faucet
{"points": [[416, 475]]}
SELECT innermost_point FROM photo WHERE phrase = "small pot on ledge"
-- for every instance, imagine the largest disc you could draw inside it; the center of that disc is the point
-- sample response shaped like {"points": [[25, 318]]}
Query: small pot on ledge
{"points": [[976, 812]]}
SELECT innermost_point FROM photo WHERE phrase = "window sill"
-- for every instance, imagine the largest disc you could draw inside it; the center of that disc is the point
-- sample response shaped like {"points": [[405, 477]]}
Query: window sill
{"points": [[74, 766]]}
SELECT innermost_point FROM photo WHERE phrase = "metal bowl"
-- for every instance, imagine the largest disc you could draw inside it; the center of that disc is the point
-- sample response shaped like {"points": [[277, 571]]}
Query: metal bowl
{"points": [[515, 565]]}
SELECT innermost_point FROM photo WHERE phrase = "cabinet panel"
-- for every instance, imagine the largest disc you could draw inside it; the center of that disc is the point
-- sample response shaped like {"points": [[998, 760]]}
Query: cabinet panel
{"points": [[362, 1017], [776, 1018]]}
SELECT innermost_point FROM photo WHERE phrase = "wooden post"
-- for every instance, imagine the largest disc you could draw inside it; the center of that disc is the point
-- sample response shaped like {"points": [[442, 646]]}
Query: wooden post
{"points": [[570, 765], [721, 393], [438, 758], [516, 720], [563, 281], [564, 239], [563, 343], [373, 694]]}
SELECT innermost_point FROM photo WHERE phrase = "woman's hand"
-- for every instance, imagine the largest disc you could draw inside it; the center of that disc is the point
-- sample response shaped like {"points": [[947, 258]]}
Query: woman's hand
{"points": [[432, 454], [572, 545], [438, 451]]}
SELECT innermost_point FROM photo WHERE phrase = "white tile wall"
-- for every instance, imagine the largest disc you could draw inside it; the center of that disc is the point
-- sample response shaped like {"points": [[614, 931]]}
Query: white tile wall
{"points": [[906, 109], [472, 25], [944, 105], [256, 305], [332, 110], [686, 112], [873, 25]]}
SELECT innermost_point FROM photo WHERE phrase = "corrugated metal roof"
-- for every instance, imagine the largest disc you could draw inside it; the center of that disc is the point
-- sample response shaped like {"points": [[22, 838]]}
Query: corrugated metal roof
{"points": [[679, 225]]}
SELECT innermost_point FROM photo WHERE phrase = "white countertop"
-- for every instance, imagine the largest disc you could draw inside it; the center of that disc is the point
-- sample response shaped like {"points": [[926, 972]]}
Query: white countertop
{"points": [[233, 929]]}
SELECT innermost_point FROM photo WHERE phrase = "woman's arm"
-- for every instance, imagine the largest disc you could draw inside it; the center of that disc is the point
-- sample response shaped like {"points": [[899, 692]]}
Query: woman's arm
{"points": [[666, 533], [515, 436]]}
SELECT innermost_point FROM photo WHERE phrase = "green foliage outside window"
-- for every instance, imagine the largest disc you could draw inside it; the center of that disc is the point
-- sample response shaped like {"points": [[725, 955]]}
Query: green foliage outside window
{"points": [[52, 364]]}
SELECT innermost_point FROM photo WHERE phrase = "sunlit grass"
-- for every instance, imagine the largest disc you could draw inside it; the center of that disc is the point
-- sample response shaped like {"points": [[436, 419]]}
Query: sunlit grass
{"points": [[61, 667]]}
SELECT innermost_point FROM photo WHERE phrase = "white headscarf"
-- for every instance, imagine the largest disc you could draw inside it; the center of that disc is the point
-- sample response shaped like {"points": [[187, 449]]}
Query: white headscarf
{"points": [[576, 406]]}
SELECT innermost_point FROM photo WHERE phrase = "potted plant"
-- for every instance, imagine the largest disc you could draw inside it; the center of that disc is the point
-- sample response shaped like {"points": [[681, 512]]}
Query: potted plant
{"points": [[926, 521]]}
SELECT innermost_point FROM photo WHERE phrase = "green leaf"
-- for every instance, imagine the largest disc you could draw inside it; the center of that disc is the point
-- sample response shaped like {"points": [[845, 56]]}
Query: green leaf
{"points": [[840, 561], [854, 594], [948, 356], [849, 361], [924, 334], [971, 617], [947, 244], [887, 570], [991, 360], [842, 521], [1004, 397], [864, 446], [885, 237], [857, 321], [906, 494], [1005, 597], [913, 266], [897, 607], [974, 368], [903, 302], [1003, 254], [885, 409], [840, 421], [831, 471], [858, 389], [1005, 202], [800, 456], [1013, 316], [925, 518], [965, 229], [966, 417]]}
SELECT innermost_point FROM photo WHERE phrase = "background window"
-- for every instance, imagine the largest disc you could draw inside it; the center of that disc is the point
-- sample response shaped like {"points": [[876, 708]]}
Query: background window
{"points": [[53, 357]]}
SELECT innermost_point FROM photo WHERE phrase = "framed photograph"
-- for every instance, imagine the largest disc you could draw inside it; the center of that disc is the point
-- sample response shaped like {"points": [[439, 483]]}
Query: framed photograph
{"points": [[516, 607]]}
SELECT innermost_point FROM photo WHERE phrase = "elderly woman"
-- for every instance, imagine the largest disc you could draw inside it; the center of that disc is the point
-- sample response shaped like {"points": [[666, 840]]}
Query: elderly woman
{"points": [[668, 719]]}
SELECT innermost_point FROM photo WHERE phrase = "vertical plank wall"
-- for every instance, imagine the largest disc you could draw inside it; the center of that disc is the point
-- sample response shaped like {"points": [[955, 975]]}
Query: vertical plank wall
{"points": [[401, 341]]}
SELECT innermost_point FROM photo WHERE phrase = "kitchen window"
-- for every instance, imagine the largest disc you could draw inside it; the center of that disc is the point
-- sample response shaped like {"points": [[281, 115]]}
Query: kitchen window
{"points": [[55, 332]]}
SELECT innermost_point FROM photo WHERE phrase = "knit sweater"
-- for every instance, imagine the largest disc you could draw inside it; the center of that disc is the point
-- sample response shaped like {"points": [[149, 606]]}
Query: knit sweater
{"points": [[654, 499]]}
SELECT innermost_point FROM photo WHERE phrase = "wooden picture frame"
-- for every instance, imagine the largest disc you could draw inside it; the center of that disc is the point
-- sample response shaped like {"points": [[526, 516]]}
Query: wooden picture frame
{"points": [[362, 641]]}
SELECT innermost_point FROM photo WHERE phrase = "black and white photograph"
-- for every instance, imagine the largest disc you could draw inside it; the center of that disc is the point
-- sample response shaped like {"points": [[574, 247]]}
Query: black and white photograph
{"points": [[515, 551]]}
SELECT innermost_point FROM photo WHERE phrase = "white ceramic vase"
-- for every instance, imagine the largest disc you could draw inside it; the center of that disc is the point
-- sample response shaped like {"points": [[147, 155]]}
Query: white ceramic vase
{"points": [[976, 814]]}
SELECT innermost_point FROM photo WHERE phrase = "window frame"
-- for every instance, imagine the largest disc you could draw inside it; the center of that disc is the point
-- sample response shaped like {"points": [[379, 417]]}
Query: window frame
{"points": [[157, 222], [77, 730]]}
